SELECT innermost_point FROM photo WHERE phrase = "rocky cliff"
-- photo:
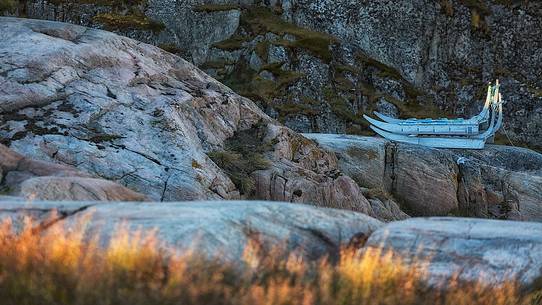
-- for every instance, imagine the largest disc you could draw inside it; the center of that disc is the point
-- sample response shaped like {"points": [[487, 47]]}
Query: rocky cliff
{"points": [[129, 112], [499, 182], [318, 65]]}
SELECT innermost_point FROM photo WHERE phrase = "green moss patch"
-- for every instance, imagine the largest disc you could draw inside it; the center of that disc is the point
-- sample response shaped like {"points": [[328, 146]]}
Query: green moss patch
{"points": [[113, 21], [384, 70], [230, 44], [477, 5], [262, 49], [248, 83], [243, 154], [211, 8], [261, 20], [286, 109], [362, 154], [170, 47], [8, 5], [100, 138], [341, 107]]}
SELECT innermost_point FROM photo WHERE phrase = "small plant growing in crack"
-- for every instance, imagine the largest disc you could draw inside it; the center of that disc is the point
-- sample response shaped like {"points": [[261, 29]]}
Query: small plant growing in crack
{"points": [[243, 154]]}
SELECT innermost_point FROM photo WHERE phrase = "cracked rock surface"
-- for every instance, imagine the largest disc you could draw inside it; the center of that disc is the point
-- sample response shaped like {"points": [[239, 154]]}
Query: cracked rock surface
{"points": [[402, 58], [31, 179], [492, 251], [131, 113], [500, 182], [221, 229]]}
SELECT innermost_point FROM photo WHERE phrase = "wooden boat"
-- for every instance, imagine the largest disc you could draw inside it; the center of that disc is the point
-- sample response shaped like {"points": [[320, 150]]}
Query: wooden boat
{"points": [[464, 142]]}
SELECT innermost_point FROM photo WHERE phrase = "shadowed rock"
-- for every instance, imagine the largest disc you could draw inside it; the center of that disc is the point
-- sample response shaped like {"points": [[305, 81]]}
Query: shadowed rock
{"points": [[403, 58]]}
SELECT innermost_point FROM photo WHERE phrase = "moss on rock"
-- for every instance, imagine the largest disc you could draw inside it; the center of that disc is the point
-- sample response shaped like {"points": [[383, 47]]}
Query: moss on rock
{"points": [[211, 8], [261, 20], [113, 21], [8, 5], [243, 154]]}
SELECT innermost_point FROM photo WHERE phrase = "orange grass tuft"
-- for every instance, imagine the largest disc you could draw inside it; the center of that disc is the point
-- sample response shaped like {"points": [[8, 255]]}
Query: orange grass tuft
{"points": [[61, 266]]}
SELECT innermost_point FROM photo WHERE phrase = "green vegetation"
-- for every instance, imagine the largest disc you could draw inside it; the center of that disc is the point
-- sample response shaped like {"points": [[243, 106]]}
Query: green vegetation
{"points": [[249, 83], [385, 70], [291, 108], [230, 44], [170, 47], [210, 8], [122, 14], [262, 49], [477, 5], [342, 107], [111, 3], [60, 266], [362, 154], [8, 5], [479, 11], [409, 108], [261, 20], [100, 138], [113, 21], [243, 154], [341, 94], [195, 164], [447, 7]]}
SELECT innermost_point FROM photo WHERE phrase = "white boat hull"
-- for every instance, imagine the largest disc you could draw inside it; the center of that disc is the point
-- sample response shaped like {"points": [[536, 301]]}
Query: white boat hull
{"points": [[426, 129], [478, 119], [483, 116], [437, 142], [477, 141]]}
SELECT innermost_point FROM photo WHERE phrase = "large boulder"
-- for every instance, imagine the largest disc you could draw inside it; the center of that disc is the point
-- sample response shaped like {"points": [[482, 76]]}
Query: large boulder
{"points": [[40, 180], [492, 251], [213, 229], [497, 182], [132, 113]]}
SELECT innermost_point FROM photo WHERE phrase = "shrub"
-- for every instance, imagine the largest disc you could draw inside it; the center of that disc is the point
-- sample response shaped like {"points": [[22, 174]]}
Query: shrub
{"points": [[243, 155], [7, 5], [64, 266]]}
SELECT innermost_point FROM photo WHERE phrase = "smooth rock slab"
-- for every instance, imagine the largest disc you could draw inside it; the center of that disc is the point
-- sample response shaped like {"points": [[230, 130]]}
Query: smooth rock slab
{"points": [[39, 180], [490, 250], [77, 188], [215, 228]]}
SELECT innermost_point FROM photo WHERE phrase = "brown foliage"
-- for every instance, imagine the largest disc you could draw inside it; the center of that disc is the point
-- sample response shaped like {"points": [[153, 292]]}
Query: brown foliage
{"points": [[60, 266]]}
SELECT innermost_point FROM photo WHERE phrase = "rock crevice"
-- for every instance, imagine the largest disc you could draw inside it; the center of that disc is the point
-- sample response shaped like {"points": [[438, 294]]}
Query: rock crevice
{"points": [[498, 182]]}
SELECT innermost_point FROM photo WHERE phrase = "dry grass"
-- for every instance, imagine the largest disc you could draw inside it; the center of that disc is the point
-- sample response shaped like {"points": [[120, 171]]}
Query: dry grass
{"points": [[63, 267]]}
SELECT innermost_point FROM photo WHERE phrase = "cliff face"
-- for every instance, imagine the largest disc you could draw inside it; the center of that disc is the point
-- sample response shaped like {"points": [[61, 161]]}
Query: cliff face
{"points": [[317, 65], [126, 111], [500, 182]]}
